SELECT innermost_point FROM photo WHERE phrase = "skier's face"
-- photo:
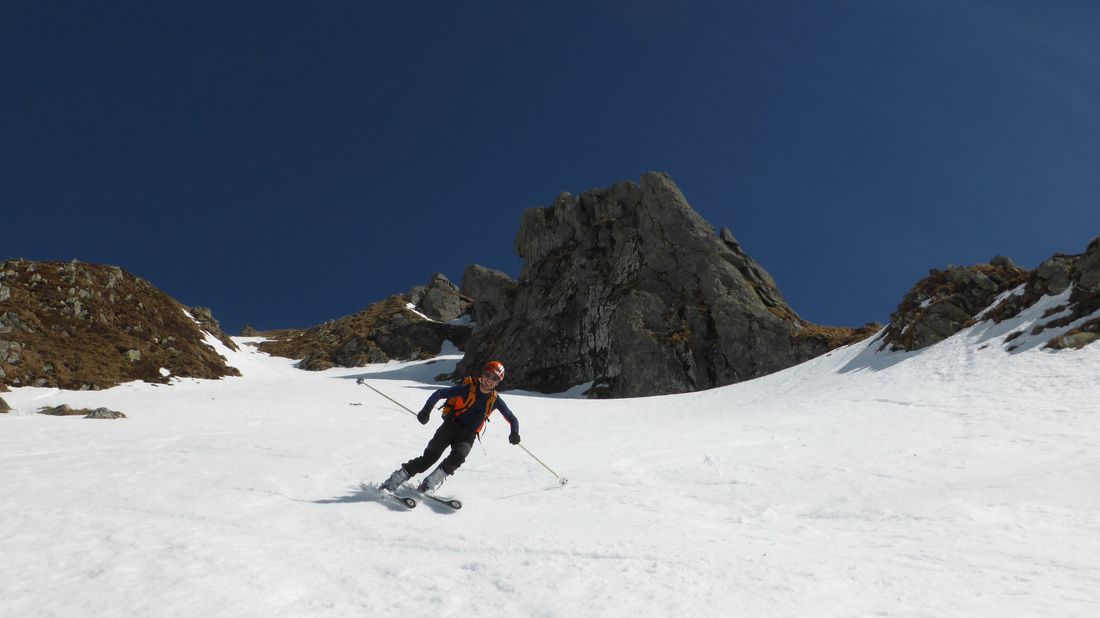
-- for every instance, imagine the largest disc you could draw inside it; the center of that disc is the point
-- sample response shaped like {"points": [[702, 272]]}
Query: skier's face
{"points": [[490, 379]]}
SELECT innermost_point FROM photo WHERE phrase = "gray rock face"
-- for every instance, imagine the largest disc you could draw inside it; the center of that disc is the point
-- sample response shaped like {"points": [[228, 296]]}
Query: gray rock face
{"points": [[492, 291], [630, 289]]}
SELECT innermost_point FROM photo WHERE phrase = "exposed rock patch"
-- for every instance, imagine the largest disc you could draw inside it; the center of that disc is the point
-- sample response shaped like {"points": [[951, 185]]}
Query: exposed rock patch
{"points": [[79, 326], [65, 410]]}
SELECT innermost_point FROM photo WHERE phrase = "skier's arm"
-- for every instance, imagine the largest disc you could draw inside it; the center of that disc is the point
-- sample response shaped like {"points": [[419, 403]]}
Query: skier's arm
{"points": [[511, 418], [443, 393]]}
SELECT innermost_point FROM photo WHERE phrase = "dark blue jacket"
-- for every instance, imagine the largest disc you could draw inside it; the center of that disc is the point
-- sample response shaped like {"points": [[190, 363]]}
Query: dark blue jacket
{"points": [[472, 417]]}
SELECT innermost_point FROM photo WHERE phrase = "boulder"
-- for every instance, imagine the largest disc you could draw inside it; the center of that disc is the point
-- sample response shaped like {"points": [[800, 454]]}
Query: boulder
{"points": [[66, 410], [1087, 269], [104, 413], [62, 410], [1053, 275], [439, 300]]}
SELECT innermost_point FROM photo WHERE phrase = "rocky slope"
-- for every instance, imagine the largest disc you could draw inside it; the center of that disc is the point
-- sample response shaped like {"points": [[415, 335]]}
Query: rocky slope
{"points": [[79, 326], [630, 289], [945, 302], [386, 330]]}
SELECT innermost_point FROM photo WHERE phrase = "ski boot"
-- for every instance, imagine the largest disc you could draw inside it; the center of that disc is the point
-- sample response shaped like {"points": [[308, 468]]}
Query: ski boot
{"points": [[399, 476], [433, 480]]}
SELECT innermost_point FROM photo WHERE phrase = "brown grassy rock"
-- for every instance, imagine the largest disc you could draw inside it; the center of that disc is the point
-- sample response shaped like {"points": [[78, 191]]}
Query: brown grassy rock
{"points": [[945, 302], [4, 407], [386, 330], [79, 326]]}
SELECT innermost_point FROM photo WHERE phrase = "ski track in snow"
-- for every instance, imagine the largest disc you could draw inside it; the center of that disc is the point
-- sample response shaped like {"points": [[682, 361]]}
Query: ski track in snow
{"points": [[958, 480]]}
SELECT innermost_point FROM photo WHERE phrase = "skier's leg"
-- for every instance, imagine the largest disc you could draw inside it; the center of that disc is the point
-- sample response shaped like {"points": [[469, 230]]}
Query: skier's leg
{"points": [[432, 452], [460, 448]]}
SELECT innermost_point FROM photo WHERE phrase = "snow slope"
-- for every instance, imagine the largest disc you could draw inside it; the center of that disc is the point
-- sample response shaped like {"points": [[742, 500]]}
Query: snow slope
{"points": [[960, 480]]}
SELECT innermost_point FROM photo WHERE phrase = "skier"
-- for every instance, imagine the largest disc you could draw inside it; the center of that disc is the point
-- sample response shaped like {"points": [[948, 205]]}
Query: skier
{"points": [[467, 409]]}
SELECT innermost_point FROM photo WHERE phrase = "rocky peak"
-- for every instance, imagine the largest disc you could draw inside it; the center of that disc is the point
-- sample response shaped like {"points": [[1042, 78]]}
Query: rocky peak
{"points": [[630, 289]]}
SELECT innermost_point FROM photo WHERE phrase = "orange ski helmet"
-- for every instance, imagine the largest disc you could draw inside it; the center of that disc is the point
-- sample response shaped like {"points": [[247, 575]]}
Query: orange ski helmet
{"points": [[495, 368]]}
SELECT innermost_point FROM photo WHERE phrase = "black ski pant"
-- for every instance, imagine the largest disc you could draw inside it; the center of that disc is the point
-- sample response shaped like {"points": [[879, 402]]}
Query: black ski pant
{"points": [[449, 434]]}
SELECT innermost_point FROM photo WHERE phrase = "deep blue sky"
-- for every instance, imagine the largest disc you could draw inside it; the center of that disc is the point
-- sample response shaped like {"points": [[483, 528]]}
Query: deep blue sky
{"points": [[289, 163]]}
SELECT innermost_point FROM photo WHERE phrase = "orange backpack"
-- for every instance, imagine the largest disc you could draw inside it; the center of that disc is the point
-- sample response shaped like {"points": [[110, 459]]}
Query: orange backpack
{"points": [[456, 406]]}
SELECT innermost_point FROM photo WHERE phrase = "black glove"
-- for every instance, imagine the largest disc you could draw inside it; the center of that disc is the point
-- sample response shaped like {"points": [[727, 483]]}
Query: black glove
{"points": [[514, 437], [425, 414]]}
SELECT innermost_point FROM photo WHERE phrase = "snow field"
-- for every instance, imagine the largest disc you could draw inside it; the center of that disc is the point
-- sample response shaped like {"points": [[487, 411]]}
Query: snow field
{"points": [[958, 480]]}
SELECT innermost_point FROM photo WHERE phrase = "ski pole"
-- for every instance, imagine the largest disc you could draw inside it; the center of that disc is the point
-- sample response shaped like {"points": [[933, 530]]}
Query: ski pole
{"points": [[561, 479], [364, 383]]}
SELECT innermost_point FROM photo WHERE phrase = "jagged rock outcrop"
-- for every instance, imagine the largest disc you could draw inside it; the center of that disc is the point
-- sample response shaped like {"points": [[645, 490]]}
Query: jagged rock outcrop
{"points": [[80, 326], [440, 300], [387, 330], [630, 289], [945, 302], [4, 407]]}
